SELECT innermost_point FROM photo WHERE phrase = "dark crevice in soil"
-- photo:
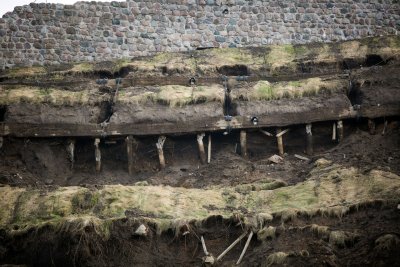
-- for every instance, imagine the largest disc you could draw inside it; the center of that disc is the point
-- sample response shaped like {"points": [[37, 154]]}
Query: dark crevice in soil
{"points": [[235, 70], [3, 111], [374, 60]]}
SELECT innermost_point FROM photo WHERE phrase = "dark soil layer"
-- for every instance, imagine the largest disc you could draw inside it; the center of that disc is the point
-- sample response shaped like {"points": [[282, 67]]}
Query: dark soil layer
{"points": [[36, 162], [50, 247]]}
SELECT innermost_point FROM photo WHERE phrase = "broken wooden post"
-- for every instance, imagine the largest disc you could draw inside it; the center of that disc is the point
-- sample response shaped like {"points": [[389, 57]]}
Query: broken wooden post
{"points": [[243, 143], [309, 141], [97, 154], [209, 149], [340, 130], [71, 152], [160, 144], [201, 148], [371, 126], [279, 139], [130, 152]]}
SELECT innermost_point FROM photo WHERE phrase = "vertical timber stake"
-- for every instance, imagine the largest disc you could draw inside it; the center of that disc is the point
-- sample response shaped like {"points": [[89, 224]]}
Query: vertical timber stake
{"points": [[279, 139], [309, 144], [371, 126], [243, 143], [1, 141], [71, 152], [160, 144], [97, 154], [334, 132], [340, 130], [209, 149], [129, 150], [201, 148]]}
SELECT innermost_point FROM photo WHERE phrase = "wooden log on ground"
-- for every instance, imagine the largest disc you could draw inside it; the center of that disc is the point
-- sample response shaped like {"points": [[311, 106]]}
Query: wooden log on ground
{"points": [[160, 145], [97, 154], [201, 148], [309, 140], [279, 140], [243, 143]]}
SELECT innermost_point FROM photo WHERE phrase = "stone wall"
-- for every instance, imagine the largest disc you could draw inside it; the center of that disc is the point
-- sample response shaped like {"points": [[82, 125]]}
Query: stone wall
{"points": [[90, 31]]}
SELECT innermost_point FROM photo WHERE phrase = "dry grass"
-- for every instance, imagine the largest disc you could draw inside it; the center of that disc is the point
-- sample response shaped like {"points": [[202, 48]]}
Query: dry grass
{"points": [[266, 233], [26, 71], [276, 258], [177, 95], [264, 90], [320, 230], [42, 95], [281, 56], [342, 238], [166, 206], [387, 242]]}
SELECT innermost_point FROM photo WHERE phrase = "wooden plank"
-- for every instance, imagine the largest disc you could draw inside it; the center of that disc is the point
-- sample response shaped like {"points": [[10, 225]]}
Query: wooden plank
{"points": [[192, 126]]}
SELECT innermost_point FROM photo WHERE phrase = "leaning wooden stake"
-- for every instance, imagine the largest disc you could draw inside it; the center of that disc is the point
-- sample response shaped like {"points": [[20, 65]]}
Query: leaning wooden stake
{"points": [[129, 150], [97, 154], [203, 243], [71, 152], [209, 149], [371, 126], [231, 246], [160, 144], [340, 130], [1, 141], [279, 139], [243, 143], [309, 145], [201, 147], [245, 248]]}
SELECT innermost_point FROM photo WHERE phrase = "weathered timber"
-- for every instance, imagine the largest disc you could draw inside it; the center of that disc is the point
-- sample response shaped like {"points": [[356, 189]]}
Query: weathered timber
{"points": [[334, 131], [309, 139], [160, 145], [209, 149], [371, 126], [275, 119], [201, 148], [97, 154], [130, 152], [340, 130], [181, 127], [243, 143], [279, 140], [71, 152]]}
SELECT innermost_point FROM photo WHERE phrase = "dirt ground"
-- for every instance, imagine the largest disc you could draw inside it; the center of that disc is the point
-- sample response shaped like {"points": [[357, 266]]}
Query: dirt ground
{"points": [[41, 162], [295, 241]]}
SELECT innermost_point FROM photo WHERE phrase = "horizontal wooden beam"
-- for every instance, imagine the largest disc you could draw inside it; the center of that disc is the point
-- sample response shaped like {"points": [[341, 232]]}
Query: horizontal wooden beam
{"points": [[193, 126]]}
